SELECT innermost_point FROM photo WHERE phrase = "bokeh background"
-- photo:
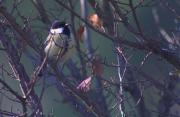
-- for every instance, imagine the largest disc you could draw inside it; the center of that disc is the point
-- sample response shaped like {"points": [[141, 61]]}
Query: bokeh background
{"points": [[155, 65]]}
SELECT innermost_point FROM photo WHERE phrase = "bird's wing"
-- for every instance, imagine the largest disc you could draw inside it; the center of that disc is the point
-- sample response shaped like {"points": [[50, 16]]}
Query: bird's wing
{"points": [[47, 40]]}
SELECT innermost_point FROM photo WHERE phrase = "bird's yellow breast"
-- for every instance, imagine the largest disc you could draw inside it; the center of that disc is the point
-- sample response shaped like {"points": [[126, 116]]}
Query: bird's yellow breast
{"points": [[59, 47]]}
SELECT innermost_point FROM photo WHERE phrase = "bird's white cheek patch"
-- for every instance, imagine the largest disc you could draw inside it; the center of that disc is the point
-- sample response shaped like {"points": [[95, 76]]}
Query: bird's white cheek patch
{"points": [[56, 31]]}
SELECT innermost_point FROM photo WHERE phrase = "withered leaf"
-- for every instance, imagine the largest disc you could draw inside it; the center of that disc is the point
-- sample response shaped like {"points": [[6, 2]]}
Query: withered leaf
{"points": [[97, 67], [96, 22], [79, 33], [85, 84]]}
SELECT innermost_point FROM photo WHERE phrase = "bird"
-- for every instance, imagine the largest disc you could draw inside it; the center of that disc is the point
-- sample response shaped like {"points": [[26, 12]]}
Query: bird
{"points": [[59, 46]]}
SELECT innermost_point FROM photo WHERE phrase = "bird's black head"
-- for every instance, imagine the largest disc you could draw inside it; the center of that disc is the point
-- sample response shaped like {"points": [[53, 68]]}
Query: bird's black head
{"points": [[57, 24]]}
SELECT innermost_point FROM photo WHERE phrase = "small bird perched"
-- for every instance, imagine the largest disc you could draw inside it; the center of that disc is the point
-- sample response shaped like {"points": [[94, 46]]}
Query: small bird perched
{"points": [[59, 47]]}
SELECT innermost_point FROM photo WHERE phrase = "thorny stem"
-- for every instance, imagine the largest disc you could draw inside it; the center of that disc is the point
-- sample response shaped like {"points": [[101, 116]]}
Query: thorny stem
{"points": [[120, 87], [89, 105], [135, 17], [23, 100], [83, 64]]}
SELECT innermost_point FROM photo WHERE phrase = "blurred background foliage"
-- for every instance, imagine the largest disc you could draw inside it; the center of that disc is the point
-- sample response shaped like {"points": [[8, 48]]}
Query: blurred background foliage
{"points": [[155, 65]]}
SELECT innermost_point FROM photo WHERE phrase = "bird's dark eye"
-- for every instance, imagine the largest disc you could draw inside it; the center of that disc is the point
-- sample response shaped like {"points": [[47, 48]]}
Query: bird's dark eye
{"points": [[66, 31]]}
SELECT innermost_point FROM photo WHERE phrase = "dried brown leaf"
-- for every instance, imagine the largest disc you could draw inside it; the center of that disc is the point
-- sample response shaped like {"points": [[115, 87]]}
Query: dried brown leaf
{"points": [[85, 84], [79, 33], [96, 22], [97, 67]]}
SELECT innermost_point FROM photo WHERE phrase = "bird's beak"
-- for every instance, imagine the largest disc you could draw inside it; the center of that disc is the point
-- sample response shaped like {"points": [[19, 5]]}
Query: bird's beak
{"points": [[67, 24]]}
